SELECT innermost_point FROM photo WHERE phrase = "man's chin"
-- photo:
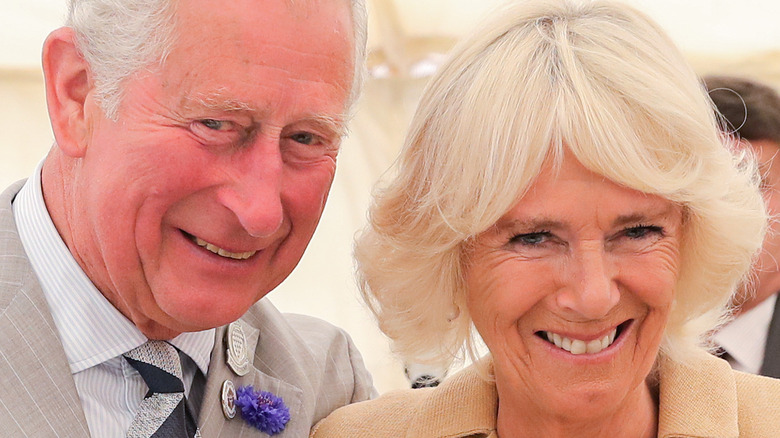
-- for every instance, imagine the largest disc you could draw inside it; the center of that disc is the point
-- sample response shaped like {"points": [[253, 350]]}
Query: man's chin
{"points": [[209, 316], [197, 323]]}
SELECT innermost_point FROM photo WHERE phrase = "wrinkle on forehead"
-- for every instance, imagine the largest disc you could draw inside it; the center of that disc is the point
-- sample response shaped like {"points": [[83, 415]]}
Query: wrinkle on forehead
{"points": [[219, 100]]}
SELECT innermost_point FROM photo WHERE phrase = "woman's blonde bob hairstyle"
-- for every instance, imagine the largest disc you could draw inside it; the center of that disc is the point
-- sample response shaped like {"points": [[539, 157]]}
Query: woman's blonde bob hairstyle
{"points": [[598, 79]]}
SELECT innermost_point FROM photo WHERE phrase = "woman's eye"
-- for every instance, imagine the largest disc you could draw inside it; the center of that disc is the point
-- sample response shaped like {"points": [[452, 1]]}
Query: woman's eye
{"points": [[532, 239], [642, 231]]}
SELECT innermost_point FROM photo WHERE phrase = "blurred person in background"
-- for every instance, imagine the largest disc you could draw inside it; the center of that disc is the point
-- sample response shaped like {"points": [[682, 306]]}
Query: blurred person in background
{"points": [[565, 191], [751, 342]]}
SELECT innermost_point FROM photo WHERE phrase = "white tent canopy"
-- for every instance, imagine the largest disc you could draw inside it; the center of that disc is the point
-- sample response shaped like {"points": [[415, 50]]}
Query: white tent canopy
{"points": [[702, 26], [407, 38]]}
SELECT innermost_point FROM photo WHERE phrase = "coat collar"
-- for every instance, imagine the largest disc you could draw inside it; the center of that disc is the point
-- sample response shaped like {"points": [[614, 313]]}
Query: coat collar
{"points": [[474, 416], [698, 399]]}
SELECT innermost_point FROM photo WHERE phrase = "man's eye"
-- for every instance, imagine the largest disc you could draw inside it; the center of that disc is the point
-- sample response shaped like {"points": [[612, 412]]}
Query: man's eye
{"points": [[216, 132], [642, 231], [213, 124], [303, 138]]}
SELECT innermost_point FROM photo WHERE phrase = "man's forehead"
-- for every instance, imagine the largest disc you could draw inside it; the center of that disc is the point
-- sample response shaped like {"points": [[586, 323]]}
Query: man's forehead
{"points": [[262, 64]]}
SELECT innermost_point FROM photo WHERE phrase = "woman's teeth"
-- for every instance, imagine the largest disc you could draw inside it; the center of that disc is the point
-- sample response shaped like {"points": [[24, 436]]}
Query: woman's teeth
{"points": [[576, 346], [219, 251]]}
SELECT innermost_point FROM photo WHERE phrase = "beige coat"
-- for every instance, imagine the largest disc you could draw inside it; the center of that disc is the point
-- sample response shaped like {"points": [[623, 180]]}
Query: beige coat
{"points": [[705, 400]]}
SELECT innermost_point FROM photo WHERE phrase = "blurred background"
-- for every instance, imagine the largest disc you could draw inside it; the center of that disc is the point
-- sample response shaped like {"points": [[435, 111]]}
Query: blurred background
{"points": [[408, 39]]}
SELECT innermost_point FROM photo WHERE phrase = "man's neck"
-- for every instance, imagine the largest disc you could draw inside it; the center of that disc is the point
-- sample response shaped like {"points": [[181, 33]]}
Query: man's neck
{"points": [[56, 192]]}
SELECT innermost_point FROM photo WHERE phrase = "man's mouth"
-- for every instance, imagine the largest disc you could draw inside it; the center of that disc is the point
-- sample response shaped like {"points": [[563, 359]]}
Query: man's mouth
{"points": [[578, 346], [220, 251]]}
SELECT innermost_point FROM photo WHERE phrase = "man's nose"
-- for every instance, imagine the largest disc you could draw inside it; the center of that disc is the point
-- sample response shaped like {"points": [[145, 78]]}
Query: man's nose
{"points": [[253, 191], [590, 290]]}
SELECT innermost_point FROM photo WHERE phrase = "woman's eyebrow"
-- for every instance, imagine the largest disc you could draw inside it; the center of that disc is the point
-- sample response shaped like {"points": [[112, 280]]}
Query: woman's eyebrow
{"points": [[528, 224], [649, 215]]}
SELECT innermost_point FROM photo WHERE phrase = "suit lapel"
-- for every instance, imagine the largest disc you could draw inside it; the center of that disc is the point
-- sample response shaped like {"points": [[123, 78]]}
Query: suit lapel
{"points": [[771, 365], [37, 393], [213, 422]]}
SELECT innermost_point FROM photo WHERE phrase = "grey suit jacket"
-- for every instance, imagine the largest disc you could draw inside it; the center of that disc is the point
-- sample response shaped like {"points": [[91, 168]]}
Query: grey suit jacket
{"points": [[771, 364], [312, 365]]}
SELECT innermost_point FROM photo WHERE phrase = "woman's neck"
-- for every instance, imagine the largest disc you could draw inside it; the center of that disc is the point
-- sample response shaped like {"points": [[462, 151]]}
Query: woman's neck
{"points": [[636, 418]]}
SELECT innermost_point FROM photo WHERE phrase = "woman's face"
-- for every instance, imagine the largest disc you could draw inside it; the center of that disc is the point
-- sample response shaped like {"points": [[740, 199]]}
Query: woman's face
{"points": [[571, 291]]}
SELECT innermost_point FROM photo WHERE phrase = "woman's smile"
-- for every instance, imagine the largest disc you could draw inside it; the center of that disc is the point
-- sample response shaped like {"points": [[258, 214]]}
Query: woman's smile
{"points": [[578, 344]]}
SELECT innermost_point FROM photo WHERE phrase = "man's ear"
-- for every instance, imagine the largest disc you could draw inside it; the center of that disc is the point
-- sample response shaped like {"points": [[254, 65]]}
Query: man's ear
{"points": [[68, 86]]}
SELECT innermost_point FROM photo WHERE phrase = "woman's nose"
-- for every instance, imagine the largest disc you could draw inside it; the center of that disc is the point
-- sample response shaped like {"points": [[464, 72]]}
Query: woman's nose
{"points": [[590, 289]]}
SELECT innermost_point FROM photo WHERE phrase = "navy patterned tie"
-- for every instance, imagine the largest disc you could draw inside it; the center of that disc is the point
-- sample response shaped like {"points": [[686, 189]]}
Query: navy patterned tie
{"points": [[163, 413]]}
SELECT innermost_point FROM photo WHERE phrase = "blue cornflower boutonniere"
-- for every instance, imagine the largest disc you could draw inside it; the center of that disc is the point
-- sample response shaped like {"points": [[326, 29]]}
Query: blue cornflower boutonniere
{"points": [[262, 409]]}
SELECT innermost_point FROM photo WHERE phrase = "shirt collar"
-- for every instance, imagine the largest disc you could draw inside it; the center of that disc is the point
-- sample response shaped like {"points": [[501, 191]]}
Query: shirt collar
{"points": [[198, 346], [92, 330], [744, 338]]}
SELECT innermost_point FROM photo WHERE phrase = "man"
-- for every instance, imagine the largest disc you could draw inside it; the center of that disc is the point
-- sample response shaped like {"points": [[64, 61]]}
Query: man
{"points": [[752, 111], [196, 142]]}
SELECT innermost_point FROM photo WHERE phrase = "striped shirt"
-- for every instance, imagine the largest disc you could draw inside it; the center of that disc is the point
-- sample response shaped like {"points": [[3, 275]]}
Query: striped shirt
{"points": [[94, 334]]}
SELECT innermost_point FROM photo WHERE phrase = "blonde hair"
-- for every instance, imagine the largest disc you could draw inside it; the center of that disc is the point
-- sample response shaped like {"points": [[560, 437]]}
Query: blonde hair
{"points": [[605, 82]]}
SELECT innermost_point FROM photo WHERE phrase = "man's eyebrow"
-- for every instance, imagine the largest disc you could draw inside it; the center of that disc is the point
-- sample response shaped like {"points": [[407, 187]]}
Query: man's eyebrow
{"points": [[216, 101], [335, 125], [219, 101]]}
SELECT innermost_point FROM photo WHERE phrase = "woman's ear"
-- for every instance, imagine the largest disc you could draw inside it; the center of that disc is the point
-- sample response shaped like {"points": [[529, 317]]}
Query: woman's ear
{"points": [[68, 85]]}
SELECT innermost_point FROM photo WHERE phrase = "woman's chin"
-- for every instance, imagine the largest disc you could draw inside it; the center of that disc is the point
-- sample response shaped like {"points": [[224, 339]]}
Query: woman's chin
{"points": [[573, 385]]}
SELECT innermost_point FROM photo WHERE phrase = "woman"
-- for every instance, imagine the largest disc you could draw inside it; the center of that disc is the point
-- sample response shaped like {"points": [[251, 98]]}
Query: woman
{"points": [[565, 191]]}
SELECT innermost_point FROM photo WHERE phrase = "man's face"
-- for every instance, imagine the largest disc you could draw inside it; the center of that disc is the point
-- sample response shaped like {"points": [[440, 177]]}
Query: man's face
{"points": [[203, 195]]}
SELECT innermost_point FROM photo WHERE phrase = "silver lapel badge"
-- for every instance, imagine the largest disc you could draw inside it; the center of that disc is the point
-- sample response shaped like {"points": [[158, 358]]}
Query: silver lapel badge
{"points": [[237, 353], [228, 399]]}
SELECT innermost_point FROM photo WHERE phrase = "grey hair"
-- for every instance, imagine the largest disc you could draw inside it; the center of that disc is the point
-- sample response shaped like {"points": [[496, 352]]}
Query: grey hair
{"points": [[120, 37]]}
